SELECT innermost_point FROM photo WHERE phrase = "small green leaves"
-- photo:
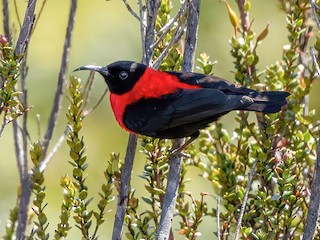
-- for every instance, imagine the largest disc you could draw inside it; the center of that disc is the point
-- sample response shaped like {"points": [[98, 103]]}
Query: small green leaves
{"points": [[37, 178], [10, 104]]}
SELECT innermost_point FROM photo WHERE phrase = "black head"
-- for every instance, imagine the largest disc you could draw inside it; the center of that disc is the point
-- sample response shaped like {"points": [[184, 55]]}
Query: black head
{"points": [[120, 76]]}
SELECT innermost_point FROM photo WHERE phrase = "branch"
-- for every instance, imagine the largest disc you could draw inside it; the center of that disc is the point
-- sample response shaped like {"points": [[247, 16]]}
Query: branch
{"points": [[314, 9], [61, 80], [20, 138], [218, 218], [166, 28], [177, 36], [152, 12], [314, 60], [25, 31], [124, 187], [313, 209], [245, 199], [131, 10], [6, 23], [244, 15], [49, 156], [169, 202]]}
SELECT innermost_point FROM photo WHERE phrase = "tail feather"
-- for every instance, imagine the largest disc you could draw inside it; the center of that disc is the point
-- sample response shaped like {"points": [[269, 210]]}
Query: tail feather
{"points": [[268, 102]]}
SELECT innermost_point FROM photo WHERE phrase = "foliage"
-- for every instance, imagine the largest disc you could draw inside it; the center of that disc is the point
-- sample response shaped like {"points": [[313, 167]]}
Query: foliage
{"points": [[10, 105]]}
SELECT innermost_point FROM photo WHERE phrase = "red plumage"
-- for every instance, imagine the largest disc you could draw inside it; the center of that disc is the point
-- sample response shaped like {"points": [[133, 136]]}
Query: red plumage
{"points": [[152, 84]]}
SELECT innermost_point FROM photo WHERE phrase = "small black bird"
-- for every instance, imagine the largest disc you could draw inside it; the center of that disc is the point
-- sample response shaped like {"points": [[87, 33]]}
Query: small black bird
{"points": [[174, 104]]}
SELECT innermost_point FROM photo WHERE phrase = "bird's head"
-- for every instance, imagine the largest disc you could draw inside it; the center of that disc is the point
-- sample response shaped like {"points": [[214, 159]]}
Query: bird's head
{"points": [[120, 76]]}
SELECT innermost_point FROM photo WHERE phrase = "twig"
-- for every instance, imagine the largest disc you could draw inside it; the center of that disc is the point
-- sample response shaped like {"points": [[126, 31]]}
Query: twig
{"points": [[313, 209], [177, 36], [131, 10], [87, 89], [166, 28], [26, 28], [314, 9], [97, 104], [315, 62], [142, 13], [191, 36], [39, 14], [152, 11], [245, 199], [244, 15], [6, 23], [169, 202], [218, 218], [124, 187], [61, 79], [17, 12], [20, 139], [49, 156]]}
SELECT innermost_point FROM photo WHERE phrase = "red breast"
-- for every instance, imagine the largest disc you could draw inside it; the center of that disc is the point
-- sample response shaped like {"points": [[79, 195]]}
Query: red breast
{"points": [[152, 84]]}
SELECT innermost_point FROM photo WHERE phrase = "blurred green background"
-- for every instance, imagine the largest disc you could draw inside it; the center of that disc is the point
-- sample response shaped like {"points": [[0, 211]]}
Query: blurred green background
{"points": [[105, 32]]}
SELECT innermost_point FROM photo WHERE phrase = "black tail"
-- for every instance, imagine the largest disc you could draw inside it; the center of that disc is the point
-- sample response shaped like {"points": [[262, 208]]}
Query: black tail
{"points": [[268, 102]]}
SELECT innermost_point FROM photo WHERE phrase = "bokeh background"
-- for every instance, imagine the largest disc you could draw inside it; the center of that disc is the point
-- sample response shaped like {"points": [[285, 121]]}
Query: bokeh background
{"points": [[105, 32]]}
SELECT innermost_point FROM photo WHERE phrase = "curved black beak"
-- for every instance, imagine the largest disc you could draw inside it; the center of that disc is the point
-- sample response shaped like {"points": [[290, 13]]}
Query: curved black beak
{"points": [[102, 70]]}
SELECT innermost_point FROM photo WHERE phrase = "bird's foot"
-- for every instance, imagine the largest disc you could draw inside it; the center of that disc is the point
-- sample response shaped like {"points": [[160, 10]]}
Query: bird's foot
{"points": [[177, 153]]}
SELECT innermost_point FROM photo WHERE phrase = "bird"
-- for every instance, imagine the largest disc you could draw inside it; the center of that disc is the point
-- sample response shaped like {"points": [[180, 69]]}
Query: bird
{"points": [[170, 105]]}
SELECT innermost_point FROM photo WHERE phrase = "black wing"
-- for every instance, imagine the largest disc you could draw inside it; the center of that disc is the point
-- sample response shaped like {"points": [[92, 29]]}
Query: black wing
{"points": [[181, 114], [208, 81], [267, 102]]}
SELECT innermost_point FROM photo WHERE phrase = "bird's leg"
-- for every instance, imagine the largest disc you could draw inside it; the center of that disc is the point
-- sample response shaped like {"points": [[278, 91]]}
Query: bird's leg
{"points": [[178, 152]]}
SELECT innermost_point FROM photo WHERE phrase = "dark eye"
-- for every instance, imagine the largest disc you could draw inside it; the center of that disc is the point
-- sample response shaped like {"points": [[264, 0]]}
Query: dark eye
{"points": [[123, 75]]}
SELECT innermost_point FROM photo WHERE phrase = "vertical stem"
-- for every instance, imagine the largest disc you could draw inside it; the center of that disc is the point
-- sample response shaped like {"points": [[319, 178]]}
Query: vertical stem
{"points": [[313, 208], [20, 137], [169, 203], [6, 23], [61, 79], [124, 187]]}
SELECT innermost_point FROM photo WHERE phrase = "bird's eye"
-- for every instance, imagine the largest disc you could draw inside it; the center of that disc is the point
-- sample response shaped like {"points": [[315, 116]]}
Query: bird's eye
{"points": [[123, 75]]}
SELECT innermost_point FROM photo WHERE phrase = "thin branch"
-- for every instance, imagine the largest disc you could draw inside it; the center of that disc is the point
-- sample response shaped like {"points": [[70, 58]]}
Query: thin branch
{"points": [[315, 62], [218, 218], [49, 156], [87, 89], [131, 10], [17, 12], [39, 13], [314, 9], [169, 202], [124, 187], [166, 28], [244, 15], [245, 199], [152, 12], [26, 28], [177, 36], [313, 209], [62, 78], [142, 13], [20, 139], [191, 36], [97, 104], [5, 21]]}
